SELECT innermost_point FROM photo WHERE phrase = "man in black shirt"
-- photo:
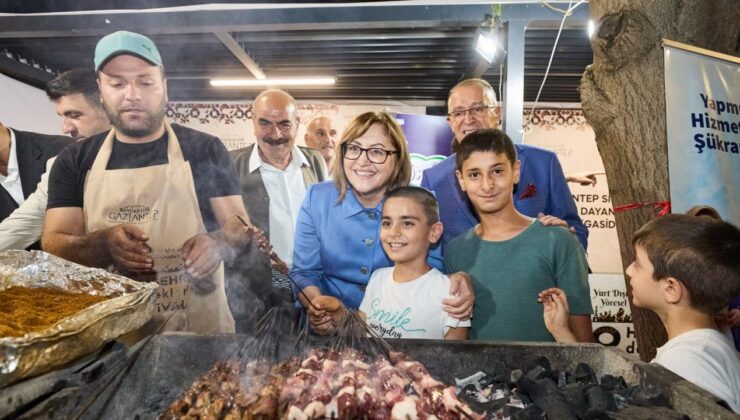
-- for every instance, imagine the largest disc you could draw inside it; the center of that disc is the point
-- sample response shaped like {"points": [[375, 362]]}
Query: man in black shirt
{"points": [[150, 200]]}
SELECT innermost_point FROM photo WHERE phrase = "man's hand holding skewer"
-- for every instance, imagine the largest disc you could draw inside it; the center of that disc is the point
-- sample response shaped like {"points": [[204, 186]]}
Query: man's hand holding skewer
{"points": [[202, 255]]}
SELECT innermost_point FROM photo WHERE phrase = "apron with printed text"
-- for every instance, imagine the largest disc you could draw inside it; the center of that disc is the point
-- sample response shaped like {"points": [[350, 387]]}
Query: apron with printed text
{"points": [[161, 201]]}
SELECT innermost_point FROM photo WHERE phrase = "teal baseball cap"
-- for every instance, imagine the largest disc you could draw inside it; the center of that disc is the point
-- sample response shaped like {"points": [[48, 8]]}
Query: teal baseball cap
{"points": [[124, 42]]}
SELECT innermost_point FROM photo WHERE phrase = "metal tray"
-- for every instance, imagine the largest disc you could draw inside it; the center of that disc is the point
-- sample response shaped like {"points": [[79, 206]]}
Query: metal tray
{"points": [[170, 363], [128, 308]]}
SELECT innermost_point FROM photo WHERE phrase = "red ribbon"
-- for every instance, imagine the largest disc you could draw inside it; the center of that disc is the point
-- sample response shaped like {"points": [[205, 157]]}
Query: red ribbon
{"points": [[663, 206]]}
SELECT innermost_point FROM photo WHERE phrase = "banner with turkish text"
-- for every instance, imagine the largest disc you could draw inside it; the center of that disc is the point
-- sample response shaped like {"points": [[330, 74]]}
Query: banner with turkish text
{"points": [[702, 91]]}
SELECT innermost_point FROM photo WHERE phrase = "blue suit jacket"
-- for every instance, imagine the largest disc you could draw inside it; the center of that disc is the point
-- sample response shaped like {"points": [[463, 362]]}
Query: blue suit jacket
{"points": [[539, 167]]}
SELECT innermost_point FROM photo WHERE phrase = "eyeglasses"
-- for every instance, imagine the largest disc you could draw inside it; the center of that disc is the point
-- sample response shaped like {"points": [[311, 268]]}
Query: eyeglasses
{"points": [[374, 154], [475, 111]]}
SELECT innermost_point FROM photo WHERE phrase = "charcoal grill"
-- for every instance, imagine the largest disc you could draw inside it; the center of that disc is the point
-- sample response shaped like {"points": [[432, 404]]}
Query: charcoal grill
{"points": [[169, 364]]}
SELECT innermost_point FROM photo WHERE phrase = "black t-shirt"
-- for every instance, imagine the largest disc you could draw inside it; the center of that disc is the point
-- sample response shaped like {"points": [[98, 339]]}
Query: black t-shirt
{"points": [[213, 170]]}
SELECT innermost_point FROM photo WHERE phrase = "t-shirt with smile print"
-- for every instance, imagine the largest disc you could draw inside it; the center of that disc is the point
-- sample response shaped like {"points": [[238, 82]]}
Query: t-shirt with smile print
{"points": [[408, 310]]}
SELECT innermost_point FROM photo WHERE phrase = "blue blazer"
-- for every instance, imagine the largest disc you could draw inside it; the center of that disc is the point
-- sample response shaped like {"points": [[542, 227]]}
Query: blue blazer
{"points": [[542, 188]]}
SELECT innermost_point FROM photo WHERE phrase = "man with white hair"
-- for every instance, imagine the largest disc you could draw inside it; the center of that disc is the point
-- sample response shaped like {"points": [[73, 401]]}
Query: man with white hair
{"points": [[542, 190], [322, 136]]}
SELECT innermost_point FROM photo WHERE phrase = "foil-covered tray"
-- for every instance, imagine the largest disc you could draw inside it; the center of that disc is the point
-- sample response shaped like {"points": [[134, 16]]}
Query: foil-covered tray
{"points": [[128, 308]]}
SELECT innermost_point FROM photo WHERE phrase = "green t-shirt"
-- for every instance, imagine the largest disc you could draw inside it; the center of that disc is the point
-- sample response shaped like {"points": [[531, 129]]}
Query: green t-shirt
{"points": [[508, 275]]}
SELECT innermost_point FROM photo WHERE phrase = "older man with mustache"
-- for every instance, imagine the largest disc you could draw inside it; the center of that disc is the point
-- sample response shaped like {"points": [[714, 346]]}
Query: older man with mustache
{"points": [[274, 174]]}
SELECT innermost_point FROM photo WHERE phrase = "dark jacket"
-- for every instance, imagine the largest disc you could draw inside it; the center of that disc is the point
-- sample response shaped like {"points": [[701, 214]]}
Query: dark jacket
{"points": [[248, 276], [32, 150]]}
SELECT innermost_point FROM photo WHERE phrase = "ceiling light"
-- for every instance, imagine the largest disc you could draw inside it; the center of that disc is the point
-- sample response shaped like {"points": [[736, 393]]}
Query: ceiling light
{"points": [[303, 81], [591, 29], [486, 46]]}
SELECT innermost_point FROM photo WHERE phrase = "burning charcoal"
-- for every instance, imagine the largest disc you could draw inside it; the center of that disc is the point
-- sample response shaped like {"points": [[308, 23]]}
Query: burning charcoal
{"points": [[472, 380], [470, 399], [613, 383], [530, 413], [509, 411], [585, 375], [575, 396], [637, 395], [500, 391], [515, 376], [548, 397], [493, 403], [537, 372], [599, 400], [501, 373], [470, 389], [487, 381], [563, 379], [535, 361], [620, 400], [519, 399]]}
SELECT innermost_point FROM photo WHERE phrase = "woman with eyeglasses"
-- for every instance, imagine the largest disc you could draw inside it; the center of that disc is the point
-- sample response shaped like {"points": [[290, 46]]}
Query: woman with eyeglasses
{"points": [[337, 245]]}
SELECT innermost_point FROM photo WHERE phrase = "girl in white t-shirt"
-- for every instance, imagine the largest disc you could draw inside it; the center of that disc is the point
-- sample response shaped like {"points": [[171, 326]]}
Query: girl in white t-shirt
{"points": [[405, 301]]}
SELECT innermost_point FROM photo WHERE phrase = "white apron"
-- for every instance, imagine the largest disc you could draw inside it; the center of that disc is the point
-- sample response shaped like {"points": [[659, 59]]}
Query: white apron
{"points": [[161, 201]]}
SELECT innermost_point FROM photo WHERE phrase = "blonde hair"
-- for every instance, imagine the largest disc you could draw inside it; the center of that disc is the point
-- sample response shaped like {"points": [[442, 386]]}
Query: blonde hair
{"points": [[358, 127]]}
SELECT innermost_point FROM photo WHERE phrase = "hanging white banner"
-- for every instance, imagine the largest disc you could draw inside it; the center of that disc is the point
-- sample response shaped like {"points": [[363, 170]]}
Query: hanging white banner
{"points": [[702, 91]]}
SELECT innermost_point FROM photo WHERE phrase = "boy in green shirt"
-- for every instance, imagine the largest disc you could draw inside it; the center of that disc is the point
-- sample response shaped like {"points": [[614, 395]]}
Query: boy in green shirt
{"points": [[511, 257]]}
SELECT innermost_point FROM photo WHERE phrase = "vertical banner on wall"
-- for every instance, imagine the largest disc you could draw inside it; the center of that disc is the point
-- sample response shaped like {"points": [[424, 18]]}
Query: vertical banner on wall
{"points": [[567, 133], [702, 91]]}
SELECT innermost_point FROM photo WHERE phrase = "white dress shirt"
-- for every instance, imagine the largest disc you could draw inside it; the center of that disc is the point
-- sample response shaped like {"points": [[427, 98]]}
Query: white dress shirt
{"points": [[286, 190], [12, 182], [24, 226]]}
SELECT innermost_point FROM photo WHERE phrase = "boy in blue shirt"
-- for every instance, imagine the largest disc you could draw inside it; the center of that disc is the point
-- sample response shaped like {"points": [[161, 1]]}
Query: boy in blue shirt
{"points": [[510, 257], [405, 301]]}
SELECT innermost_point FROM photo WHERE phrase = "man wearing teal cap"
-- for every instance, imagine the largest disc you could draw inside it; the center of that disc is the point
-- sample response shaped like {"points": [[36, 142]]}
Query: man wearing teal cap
{"points": [[150, 200], [124, 42]]}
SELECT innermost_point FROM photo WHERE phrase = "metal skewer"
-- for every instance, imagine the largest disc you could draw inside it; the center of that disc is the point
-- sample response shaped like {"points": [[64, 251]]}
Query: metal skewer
{"points": [[278, 263]]}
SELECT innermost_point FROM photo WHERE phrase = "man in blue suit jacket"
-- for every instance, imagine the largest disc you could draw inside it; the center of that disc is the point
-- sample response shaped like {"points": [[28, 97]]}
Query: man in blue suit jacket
{"points": [[542, 188]]}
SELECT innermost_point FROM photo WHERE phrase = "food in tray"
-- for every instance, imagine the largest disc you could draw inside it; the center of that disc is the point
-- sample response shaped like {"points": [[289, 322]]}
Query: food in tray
{"points": [[27, 309], [325, 385]]}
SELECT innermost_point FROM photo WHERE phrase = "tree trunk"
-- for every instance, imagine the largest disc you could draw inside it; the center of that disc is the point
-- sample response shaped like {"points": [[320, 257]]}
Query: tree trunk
{"points": [[623, 97]]}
